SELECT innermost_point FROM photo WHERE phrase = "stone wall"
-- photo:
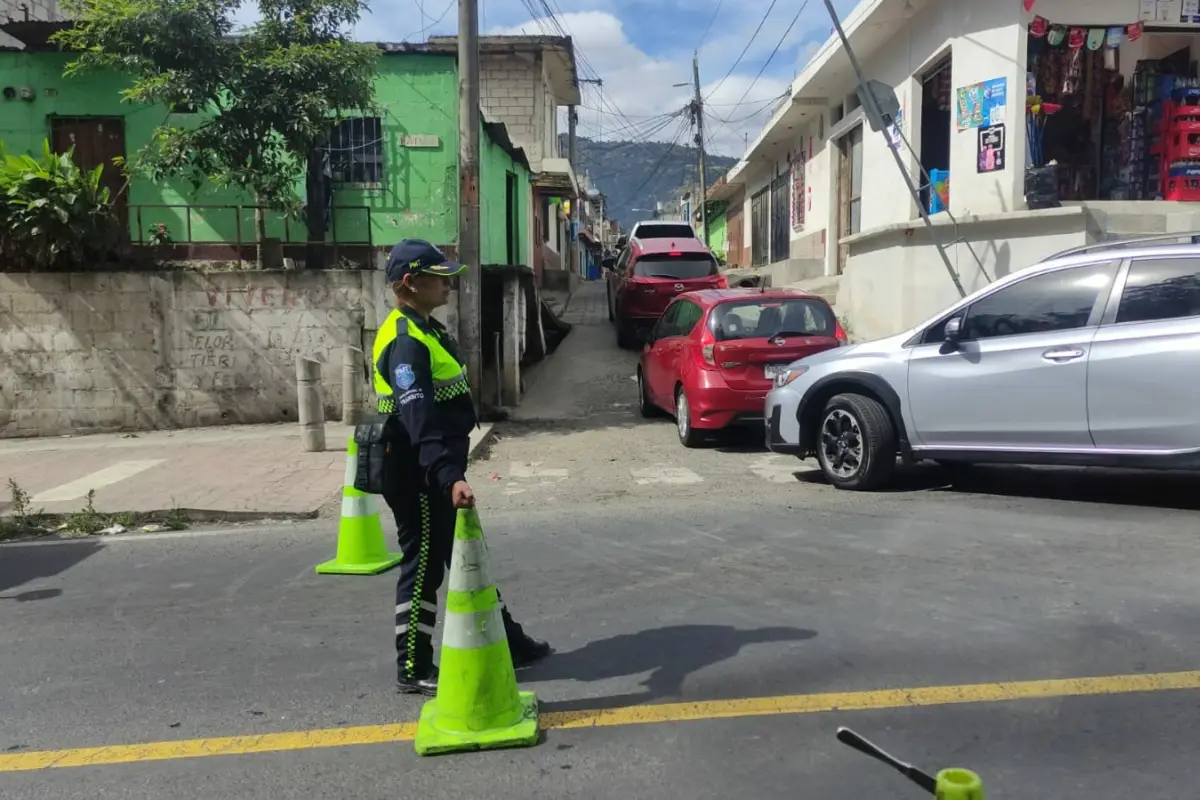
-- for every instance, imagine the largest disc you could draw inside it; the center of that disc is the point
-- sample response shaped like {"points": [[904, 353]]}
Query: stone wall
{"points": [[135, 351]]}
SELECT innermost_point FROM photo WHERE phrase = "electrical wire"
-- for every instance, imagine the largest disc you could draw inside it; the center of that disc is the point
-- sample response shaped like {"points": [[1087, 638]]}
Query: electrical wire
{"points": [[745, 50], [711, 20], [425, 27], [778, 45], [662, 160]]}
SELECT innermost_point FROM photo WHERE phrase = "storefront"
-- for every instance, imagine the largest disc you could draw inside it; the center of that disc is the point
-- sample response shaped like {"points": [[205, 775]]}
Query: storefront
{"points": [[1113, 110]]}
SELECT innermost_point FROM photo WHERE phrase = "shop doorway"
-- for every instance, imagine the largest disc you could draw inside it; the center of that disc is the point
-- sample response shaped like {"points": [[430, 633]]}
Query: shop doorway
{"points": [[936, 113]]}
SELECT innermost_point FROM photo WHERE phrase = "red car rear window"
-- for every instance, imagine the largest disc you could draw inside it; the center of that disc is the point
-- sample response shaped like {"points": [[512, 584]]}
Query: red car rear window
{"points": [[763, 319], [665, 231], [686, 266]]}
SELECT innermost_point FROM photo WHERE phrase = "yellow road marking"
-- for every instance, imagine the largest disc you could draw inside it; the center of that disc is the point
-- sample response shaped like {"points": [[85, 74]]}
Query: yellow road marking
{"points": [[630, 715]]}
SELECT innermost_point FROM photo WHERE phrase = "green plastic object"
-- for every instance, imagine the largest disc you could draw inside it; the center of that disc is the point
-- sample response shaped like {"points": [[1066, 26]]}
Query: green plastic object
{"points": [[958, 784], [478, 705], [361, 547]]}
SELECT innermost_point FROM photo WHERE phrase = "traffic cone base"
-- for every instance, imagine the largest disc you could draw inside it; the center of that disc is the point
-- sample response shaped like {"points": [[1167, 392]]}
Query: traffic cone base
{"points": [[433, 739], [361, 547], [478, 705]]}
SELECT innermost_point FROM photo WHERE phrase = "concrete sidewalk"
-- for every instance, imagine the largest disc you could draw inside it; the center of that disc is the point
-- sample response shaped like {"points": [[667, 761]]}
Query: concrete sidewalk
{"points": [[236, 472]]}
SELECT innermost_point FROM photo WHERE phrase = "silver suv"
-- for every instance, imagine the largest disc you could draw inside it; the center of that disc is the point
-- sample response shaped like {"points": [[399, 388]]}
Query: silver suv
{"points": [[1089, 358]]}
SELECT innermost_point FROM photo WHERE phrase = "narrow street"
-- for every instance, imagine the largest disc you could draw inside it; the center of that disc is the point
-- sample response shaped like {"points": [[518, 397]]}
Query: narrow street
{"points": [[712, 609]]}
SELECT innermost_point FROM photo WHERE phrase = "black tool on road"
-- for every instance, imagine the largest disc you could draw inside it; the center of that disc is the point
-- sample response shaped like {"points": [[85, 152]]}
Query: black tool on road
{"points": [[914, 774]]}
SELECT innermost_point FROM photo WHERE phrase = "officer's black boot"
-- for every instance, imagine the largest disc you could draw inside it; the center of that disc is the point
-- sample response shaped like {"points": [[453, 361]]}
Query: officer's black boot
{"points": [[527, 651], [425, 684]]}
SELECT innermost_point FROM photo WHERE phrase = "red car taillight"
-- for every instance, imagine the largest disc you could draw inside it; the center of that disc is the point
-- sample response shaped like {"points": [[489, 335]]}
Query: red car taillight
{"points": [[840, 334], [707, 345], [722, 282]]}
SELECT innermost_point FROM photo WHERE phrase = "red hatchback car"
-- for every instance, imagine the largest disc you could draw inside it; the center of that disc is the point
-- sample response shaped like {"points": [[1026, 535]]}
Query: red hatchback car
{"points": [[713, 355], [649, 274]]}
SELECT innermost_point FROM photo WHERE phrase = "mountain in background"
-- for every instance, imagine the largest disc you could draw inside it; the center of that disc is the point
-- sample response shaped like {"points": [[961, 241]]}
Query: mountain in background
{"points": [[636, 174]]}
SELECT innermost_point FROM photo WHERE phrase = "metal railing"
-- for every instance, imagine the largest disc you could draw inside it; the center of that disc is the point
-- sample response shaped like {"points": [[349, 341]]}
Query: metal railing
{"points": [[240, 212]]}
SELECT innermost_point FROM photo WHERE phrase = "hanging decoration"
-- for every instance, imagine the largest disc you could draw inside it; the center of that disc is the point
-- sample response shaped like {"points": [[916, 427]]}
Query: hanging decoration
{"points": [[1077, 37]]}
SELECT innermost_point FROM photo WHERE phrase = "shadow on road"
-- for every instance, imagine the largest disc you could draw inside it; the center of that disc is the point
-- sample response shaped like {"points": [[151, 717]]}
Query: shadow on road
{"points": [[670, 654], [21, 564], [1176, 490]]}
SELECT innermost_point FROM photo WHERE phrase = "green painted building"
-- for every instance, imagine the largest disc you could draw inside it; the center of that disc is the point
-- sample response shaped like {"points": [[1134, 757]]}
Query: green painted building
{"points": [[390, 177], [716, 227]]}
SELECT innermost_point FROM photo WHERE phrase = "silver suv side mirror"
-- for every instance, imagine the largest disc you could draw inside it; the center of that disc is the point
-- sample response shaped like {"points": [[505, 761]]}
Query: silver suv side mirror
{"points": [[953, 330]]}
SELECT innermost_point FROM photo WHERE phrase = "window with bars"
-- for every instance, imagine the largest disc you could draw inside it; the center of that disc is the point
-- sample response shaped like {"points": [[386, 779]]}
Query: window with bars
{"points": [[760, 227], [355, 151], [781, 209]]}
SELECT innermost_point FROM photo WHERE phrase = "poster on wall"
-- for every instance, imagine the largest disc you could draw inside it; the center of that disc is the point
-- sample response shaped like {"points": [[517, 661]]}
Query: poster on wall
{"points": [[982, 104], [991, 149]]}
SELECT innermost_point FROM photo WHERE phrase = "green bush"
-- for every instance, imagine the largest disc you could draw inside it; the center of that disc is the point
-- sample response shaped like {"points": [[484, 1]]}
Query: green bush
{"points": [[54, 217]]}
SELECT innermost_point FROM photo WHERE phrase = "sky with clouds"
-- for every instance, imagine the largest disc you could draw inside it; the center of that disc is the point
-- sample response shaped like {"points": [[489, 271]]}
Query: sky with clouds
{"points": [[640, 49]]}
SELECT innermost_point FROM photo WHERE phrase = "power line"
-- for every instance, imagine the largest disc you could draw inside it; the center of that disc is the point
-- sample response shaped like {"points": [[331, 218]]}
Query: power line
{"points": [[711, 20], [425, 27], [778, 45], [746, 103], [662, 160], [745, 49]]}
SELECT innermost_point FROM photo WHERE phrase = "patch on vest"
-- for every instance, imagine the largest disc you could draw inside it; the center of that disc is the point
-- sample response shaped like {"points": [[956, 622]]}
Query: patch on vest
{"points": [[403, 377]]}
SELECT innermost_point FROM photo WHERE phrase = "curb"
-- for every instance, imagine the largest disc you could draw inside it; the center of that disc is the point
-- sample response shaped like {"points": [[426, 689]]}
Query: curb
{"points": [[487, 432]]}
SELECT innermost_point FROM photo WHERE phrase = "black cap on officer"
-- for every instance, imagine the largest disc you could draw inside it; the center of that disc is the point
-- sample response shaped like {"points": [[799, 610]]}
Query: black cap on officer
{"points": [[412, 256]]}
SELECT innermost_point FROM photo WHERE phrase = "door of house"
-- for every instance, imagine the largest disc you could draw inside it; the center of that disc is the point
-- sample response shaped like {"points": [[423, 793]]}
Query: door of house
{"points": [[735, 233], [850, 154], [97, 141], [511, 220]]}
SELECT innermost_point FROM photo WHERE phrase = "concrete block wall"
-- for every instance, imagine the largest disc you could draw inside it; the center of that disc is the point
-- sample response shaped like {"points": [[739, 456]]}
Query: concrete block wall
{"points": [[45, 10], [135, 351], [511, 87]]}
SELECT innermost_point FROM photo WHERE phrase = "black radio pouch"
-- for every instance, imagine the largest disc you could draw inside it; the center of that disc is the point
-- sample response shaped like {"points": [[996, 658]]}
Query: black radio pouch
{"points": [[381, 442]]}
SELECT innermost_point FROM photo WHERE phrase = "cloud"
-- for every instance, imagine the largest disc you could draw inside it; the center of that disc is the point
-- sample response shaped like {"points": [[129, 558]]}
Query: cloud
{"points": [[641, 51]]}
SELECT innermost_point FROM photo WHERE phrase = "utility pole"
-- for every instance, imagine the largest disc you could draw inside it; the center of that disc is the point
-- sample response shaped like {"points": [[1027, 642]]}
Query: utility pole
{"points": [[572, 121], [698, 110], [469, 283]]}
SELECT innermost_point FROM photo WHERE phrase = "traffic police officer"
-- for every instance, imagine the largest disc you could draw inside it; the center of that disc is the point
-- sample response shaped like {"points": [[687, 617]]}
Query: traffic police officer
{"points": [[420, 379]]}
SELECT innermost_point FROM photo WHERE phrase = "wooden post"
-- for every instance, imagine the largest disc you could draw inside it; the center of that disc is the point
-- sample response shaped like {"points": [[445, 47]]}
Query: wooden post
{"points": [[311, 409], [352, 385]]}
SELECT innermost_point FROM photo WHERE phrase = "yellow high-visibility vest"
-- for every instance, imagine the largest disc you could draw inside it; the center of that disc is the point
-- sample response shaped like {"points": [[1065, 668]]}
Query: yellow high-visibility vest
{"points": [[449, 376]]}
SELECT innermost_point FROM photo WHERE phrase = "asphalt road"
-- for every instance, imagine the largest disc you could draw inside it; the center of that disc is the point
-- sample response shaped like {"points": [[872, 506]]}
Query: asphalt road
{"points": [[656, 589]]}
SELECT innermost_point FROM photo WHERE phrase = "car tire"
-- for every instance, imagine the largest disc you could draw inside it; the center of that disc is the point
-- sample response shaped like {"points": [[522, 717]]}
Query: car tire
{"points": [[857, 429], [688, 436], [647, 409]]}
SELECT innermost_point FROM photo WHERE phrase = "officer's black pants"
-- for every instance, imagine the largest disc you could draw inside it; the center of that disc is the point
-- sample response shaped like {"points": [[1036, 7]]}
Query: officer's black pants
{"points": [[425, 526]]}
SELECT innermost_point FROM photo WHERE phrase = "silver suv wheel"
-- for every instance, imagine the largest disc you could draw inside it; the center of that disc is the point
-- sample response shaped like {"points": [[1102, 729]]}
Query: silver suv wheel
{"points": [[856, 442], [841, 443]]}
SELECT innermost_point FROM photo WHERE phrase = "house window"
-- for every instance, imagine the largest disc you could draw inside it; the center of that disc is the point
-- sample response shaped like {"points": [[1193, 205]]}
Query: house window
{"points": [[355, 151], [798, 176]]}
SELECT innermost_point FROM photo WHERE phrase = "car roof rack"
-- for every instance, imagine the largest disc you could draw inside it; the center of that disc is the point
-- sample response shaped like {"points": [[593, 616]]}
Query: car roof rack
{"points": [[1183, 237]]}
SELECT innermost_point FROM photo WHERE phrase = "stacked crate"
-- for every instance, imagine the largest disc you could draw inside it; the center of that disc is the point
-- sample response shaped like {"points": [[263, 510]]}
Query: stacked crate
{"points": [[1178, 146]]}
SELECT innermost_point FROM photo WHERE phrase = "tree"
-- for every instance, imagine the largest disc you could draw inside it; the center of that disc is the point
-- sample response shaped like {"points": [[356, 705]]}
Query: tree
{"points": [[266, 96]]}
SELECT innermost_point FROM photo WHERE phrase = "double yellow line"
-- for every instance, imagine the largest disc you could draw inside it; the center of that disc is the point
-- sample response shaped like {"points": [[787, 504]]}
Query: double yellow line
{"points": [[630, 715]]}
